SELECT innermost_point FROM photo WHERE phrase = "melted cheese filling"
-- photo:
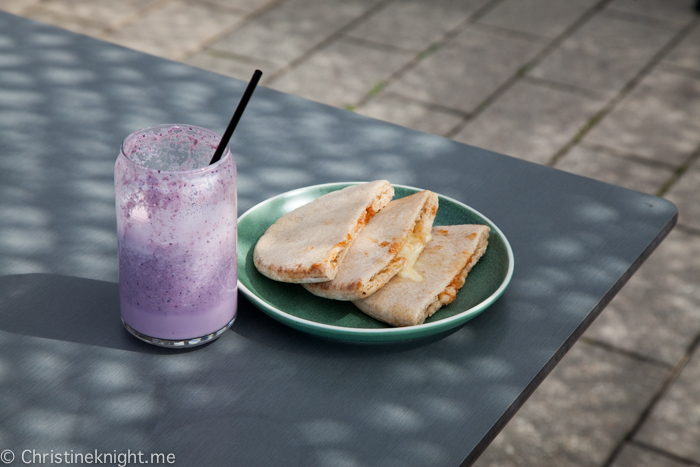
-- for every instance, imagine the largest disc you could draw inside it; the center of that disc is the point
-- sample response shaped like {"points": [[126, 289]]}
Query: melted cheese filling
{"points": [[410, 250]]}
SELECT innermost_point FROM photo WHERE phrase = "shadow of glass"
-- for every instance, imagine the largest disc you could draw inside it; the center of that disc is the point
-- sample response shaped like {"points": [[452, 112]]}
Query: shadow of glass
{"points": [[86, 311], [70, 101], [65, 308]]}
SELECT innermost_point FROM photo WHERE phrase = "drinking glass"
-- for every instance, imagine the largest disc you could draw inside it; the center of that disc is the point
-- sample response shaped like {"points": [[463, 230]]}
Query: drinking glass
{"points": [[176, 231]]}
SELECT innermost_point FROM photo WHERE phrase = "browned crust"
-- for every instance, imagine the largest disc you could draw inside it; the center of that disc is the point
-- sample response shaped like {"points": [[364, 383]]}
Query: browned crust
{"points": [[449, 295], [272, 260], [369, 213], [444, 264], [370, 271], [394, 248], [453, 287]]}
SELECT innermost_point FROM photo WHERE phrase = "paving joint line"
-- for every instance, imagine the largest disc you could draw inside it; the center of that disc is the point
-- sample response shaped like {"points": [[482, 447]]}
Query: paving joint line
{"points": [[661, 452], [222, 6], [370, 44], [569, 88], [663, 389], [679, 70], [484, 10], [100, 26], [688, 229], [626, 89], [640, 19], [567, 345], [335, 36], [627, 353], [245, 20], [629, 156], [678, 173], [429, 50], [428, 105], [503, 31], [677, 176], [411, 100], [232, 56], [22, 11], [521, 73], [132, 18]]}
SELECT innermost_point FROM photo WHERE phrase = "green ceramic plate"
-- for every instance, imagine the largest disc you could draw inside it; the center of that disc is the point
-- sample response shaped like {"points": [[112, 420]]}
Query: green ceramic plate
{"points": [[292, 305]]}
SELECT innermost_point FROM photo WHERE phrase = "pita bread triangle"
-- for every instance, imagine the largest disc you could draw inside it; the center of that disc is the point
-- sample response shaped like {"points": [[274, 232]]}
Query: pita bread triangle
{"points": [[383, 247], [444, 265], [308, 244]]}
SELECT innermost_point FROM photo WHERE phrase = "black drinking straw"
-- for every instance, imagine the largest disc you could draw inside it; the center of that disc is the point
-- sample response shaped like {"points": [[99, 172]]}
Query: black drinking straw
{"points": [[236, 116]]}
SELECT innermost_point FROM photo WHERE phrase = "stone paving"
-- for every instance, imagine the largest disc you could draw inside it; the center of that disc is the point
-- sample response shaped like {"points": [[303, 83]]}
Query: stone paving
{"points": [[609, 89]]}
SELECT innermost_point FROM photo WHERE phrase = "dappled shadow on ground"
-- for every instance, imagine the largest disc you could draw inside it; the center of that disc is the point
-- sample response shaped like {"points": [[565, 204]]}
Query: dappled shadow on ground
{"points": [[67, 104], [71, 378]]}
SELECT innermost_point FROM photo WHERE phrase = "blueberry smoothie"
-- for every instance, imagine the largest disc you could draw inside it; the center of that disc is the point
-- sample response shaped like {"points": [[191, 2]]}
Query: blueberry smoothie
{"points": [[176, 229]]}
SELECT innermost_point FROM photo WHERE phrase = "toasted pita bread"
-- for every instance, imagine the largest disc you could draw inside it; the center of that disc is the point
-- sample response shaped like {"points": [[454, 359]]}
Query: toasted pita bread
{"points": [[308, 244], [444, 265], [382, 248]]}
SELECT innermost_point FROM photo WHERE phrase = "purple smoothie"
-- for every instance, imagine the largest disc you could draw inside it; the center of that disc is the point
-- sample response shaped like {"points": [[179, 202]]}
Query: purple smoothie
{"points": [[176, 228]]}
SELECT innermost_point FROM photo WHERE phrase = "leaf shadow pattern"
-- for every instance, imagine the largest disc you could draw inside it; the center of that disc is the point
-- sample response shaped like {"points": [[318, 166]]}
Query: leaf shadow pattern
{"points": [[71, 378]]}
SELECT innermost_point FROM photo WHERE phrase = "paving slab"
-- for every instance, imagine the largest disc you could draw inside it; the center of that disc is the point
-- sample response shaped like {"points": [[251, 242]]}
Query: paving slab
{"points": [[176, 30], [67, 21], [579, 413], [410, 114], [287, 32], [674, 423], [415, 24], [657, 313], [685, 193], [332, 76], [602, 165], [659, 119], [677, 12], [538, 17], [530, 121], [235, 67], [17, 7], [595, 395], [466, 70], [106, 12], [635, 456], [604, 54], [687, 53], [244, 5]]}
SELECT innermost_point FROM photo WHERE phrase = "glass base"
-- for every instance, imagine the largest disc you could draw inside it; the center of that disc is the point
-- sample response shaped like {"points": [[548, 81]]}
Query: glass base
{"points": [[178, 344]]}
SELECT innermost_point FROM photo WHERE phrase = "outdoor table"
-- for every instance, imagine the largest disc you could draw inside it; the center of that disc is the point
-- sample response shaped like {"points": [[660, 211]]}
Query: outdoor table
{"points": [[72, 380]]}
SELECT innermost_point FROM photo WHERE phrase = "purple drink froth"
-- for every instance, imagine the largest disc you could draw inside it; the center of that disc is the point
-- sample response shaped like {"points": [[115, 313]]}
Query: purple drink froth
{"points": [[176, 228]]}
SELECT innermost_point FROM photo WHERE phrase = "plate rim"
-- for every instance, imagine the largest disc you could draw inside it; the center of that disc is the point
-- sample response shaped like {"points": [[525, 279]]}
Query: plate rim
{"points": [[399, 331]]}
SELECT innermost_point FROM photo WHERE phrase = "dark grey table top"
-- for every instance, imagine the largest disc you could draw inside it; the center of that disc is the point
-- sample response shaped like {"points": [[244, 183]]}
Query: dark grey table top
{"points": [[72, 379]]}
